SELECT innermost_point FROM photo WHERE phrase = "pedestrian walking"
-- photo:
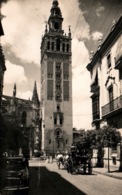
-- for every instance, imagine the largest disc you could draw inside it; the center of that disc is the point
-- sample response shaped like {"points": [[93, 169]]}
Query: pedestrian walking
{"points": [[51, 159], [48, 159]]}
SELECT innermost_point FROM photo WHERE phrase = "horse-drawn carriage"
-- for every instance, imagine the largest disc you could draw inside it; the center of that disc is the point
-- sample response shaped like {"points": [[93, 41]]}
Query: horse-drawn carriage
{"points": [[79, 161]]}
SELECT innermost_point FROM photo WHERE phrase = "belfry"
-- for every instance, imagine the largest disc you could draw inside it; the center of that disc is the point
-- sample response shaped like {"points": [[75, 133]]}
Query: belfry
{"points": [[56, 84]]}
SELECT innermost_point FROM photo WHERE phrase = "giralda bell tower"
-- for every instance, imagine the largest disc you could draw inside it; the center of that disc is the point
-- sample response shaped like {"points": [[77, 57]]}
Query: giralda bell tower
{"points": [[56, 84]]}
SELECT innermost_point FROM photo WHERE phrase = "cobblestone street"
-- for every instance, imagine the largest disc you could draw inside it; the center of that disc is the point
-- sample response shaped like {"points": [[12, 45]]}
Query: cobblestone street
{"points": [[48, 180]]}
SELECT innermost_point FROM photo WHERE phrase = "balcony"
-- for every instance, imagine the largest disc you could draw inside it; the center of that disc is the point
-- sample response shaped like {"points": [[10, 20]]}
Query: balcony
{"points": [[118, 62], [112, 108]]}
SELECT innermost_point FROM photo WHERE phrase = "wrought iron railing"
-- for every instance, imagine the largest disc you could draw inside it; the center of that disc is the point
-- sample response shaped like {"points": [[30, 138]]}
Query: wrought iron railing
{"points": [[112, 106]]}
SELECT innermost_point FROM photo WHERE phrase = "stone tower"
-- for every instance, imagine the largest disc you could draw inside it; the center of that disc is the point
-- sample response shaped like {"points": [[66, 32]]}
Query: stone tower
{"points": [[56, 84]]}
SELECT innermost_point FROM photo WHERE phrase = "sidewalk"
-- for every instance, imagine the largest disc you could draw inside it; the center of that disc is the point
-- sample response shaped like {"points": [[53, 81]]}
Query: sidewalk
{"points": [[104, 171]]}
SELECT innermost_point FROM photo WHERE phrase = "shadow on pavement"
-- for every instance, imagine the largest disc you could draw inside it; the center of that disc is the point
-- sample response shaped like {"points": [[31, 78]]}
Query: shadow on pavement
{"points": [[43, 181], [114, 171]]}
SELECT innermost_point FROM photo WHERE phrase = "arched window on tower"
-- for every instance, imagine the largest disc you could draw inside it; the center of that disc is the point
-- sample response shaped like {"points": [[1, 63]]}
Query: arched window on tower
{"points": [[55, 121], [58, 133], [24, 118], [67, 47], [48, 45], [61, 120], [58, 108], [63, 47], [58, 42], [52, 46]]}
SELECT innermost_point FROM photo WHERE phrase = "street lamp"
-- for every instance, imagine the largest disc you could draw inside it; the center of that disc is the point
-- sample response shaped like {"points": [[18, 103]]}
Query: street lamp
{"points": [[108, 158], [108, 140], [120, 167]]}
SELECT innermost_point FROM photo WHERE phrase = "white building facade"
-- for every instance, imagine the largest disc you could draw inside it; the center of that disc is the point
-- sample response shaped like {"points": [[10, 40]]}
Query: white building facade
{"points": [[106, 80], [106, 87]]}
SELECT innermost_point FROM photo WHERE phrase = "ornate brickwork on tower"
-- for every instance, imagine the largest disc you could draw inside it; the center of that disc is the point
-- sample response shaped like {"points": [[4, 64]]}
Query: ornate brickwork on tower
{"points": [[56, 84]]}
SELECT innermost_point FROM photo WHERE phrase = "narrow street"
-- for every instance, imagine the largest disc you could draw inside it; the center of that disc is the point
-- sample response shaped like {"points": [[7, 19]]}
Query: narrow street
{"points": [[48, 180]]}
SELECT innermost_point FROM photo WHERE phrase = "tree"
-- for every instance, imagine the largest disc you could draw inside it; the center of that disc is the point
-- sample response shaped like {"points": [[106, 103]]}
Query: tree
{"points": [[86, 141], [104, 137], [13, 135], [10, 139], [3, 144], [107, 136], [3, 134]]}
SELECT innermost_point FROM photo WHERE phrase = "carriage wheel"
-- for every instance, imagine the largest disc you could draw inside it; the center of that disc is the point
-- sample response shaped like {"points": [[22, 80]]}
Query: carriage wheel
{"points": [[90, 170], [84, 169]]}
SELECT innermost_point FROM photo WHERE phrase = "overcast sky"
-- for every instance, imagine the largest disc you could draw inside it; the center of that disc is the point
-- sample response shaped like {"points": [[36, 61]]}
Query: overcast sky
{"points": [[24, 24]]}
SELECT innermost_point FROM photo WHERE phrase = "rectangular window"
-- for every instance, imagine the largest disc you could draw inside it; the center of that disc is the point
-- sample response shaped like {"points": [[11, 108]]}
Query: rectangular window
{"points": [[63, 47], [95, 107], [49, 141], [61, 121], [120, 79], [50, 89], [109, 60], [110, 91], [118, 53], [67, 47], [52, 46], [58, 118], [48, 45]]}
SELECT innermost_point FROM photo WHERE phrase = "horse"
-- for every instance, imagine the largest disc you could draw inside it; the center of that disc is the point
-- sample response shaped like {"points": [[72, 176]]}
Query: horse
{"points": [[66, 159], [60, 160]]}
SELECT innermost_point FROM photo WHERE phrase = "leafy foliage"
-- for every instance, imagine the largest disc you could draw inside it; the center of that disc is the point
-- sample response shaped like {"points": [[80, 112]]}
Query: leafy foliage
{"points": [[10, 135], [14, 136], [86, 141], [104, 137], [3, 141], [108, 136]]}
